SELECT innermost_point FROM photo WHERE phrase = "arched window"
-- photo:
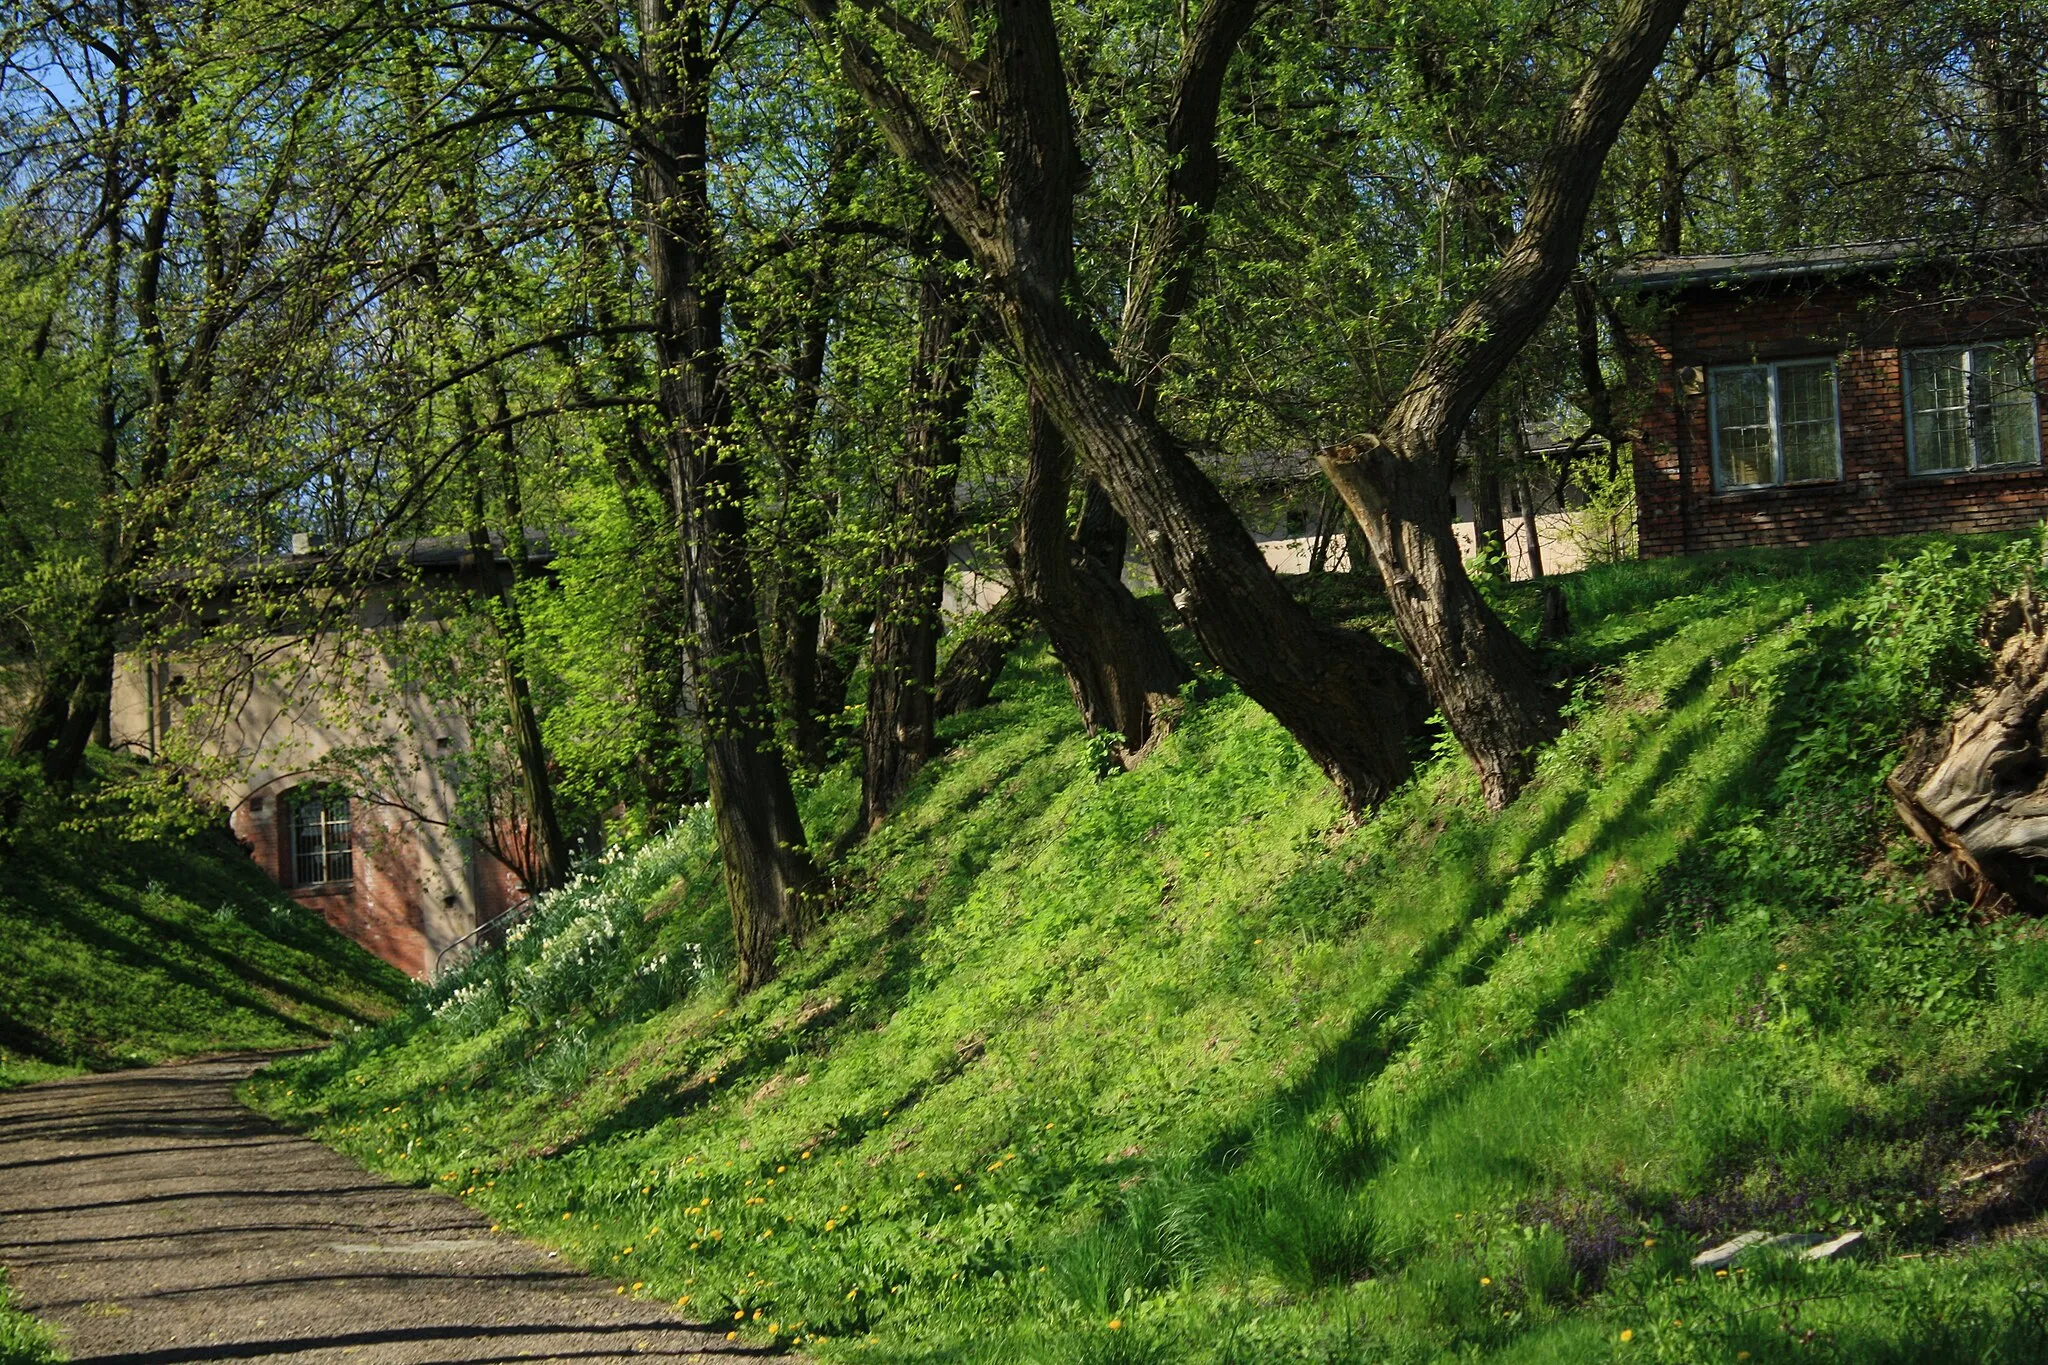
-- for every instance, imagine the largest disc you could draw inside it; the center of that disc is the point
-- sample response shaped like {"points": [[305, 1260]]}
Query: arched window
{"points": [[320, 838]]}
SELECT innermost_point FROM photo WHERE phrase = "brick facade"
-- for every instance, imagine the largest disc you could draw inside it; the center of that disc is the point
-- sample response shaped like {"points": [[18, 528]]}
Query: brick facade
{"points": [[1867, 325], [384, 907]]}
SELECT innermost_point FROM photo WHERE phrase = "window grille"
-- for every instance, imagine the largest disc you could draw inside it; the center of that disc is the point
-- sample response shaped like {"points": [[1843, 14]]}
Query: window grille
{"points": [[321, 854], [1972, 407], [1774, 424]]}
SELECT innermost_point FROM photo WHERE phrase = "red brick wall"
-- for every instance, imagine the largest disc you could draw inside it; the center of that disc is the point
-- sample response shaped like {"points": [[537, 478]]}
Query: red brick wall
{"points": [[382, 908], [1867, 326]]}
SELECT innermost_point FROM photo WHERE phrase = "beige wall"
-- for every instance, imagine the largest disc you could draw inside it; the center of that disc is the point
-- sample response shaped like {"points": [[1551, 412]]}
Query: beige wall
{"points": [[327, 713]]}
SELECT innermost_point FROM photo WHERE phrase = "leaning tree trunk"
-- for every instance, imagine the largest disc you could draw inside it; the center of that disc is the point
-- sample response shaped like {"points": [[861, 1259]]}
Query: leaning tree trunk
{"points": [[1396, 481], [760, 834], [1125, 678], [1976, 790], [1486, 682], [969, 678], [897, 734]]}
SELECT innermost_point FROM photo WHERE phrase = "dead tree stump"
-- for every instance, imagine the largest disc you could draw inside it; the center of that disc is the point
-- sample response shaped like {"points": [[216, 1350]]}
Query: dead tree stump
{"points": [[1976, 790]]}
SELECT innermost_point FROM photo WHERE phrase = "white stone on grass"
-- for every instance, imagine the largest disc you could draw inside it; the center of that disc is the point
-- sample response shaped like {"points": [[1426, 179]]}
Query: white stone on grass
{"points": [[1722, 1256]]}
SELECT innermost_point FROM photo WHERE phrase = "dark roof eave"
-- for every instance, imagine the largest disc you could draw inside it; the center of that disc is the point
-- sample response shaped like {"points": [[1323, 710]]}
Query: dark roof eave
{"points": [[1660, 273]]}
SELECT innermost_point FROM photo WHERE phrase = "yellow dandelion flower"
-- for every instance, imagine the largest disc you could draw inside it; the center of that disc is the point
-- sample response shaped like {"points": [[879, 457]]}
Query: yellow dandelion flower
{"points": [[1486, 1279], [1628, 1334], [683, 1302], [1116, 1324], [830, 1224]]}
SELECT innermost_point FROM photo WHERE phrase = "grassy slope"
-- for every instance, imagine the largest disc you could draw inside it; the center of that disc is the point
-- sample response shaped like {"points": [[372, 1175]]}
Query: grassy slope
{"points": [[1178, 1065], [119, 951]]}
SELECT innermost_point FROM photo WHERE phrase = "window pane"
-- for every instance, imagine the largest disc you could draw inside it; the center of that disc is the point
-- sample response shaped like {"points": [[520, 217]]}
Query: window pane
{"points": [[340, 866], [1806, 422], [1940, 406], [2008, 432], [1742, 426], [320, 841], [309, 864]]}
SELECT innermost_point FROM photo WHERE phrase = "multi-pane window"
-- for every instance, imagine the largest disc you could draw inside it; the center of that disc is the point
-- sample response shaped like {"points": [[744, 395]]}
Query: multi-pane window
{"points": [[1774, 424], [320, 839], [1972, 407]]}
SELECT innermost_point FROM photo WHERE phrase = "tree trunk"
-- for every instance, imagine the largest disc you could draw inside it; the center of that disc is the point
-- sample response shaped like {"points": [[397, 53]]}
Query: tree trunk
{"points": [[1125, 679], [1526, 490], [1481, 676], [546, 854], [768, 871], [903, 658], [969, 677], [1489, 521], [799, 598]]}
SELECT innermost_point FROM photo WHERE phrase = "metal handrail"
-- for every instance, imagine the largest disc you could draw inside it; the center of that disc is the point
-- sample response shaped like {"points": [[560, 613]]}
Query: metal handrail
{"points": [[518, 910]]}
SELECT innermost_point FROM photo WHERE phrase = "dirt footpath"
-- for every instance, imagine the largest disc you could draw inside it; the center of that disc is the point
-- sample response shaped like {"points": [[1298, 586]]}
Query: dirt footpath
{"points": [[156, 1222]]}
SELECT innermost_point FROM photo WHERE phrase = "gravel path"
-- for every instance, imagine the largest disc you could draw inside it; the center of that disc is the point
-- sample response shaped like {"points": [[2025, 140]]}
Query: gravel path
{"points": [[156, 1222]]}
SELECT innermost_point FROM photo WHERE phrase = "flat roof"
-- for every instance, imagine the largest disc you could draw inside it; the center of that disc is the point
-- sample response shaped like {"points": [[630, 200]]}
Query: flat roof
{"points": [[1844, 258]]}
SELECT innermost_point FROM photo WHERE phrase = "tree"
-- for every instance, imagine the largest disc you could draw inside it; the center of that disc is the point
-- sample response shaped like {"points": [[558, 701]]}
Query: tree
{"points": [[1484, 679], [1344, 696], [903, 658]]}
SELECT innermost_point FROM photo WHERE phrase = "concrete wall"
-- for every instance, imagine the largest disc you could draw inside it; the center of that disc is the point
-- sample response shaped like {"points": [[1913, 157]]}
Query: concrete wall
{"points": [[1867, 327]]}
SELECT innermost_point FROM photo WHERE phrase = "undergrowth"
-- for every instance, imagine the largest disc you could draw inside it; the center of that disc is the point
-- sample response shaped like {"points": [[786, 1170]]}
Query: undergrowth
{"points": [[1181, 1064]]}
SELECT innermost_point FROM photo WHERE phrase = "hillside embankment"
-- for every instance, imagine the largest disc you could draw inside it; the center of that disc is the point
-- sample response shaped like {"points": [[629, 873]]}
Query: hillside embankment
{"points": [[128, 938], [1182, 1065]]}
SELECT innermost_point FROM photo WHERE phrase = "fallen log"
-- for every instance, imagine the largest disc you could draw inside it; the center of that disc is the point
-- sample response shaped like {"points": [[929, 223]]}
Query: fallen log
{"points": [[1975, 791]]}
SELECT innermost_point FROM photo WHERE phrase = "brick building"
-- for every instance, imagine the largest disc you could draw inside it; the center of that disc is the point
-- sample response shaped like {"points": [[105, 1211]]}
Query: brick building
{"points": [[1874, 389], [342, 777]]}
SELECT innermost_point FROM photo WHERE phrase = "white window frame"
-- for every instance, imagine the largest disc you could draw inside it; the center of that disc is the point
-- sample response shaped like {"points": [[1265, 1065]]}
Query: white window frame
{"points": [[1772, 367], [1970, 407], [323, 800]]}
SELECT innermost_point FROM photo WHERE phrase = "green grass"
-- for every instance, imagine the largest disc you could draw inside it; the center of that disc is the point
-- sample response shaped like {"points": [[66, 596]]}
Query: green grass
{"points": [[23, 1340], [119, 948], [1182, 1065]]}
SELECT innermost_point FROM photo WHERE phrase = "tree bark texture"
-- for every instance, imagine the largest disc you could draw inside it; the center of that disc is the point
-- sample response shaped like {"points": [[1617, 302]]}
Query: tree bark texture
{"points": [[1125, 678], [1483, 678], [1976, 790], [768, 871], [897, 735]]}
